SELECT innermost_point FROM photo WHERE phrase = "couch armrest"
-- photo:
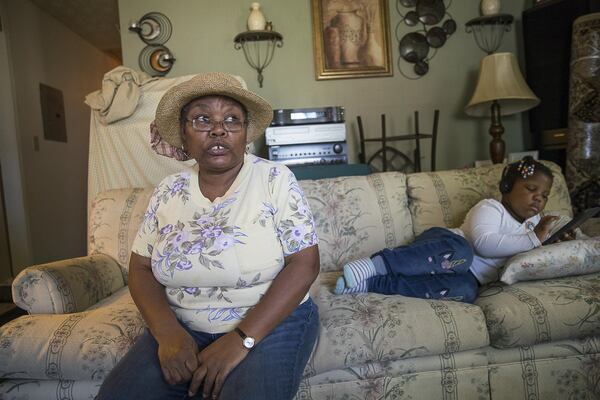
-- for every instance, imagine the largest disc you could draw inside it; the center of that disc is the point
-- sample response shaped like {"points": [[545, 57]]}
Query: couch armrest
{"points": [[67, 286]]}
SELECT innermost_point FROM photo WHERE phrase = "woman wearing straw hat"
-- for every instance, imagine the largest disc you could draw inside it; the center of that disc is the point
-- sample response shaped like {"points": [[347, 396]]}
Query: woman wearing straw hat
{"points": [[223, 261]]}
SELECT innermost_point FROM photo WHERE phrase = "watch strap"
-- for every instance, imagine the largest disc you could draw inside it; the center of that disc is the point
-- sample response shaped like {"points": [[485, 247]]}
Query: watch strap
{"points": [[241, 333], [247, 341]]}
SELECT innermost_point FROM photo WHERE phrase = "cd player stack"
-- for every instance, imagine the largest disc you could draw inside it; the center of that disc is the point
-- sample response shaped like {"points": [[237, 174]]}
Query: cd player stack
{"points": [[308, 136]]}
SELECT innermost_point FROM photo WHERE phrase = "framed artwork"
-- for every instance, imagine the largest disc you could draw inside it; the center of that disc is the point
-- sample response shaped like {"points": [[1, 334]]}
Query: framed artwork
{"points": [[351, 38]]}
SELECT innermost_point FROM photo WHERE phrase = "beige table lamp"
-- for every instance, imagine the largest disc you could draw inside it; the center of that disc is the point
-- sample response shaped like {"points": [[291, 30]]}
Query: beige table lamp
{"points": [[501, 90]]}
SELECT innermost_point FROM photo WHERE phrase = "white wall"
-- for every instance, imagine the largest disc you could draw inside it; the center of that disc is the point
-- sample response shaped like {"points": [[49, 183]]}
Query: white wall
{"points": [[42, 50], [10, 158]]}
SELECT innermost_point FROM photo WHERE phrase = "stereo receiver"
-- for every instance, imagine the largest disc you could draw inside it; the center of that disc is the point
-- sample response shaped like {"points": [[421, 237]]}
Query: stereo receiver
{"points": [[310, 153]]}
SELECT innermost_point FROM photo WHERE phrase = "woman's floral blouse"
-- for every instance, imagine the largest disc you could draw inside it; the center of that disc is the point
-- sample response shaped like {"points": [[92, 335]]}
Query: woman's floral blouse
{"points": [[216, 259]]}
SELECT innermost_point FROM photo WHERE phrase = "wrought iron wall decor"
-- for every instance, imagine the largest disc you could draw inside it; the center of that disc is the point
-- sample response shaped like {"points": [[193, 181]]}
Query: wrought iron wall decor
{"points": [[434, 25], [488, 30], [155, 30], [258, 42], [259, 48]]}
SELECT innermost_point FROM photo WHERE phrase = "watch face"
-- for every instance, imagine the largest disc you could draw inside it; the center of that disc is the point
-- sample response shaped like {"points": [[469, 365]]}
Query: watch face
{"points": [[248, 342]]}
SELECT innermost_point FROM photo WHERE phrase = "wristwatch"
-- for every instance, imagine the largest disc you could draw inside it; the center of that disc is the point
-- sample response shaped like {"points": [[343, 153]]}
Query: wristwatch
{"points": [[247, 341]]}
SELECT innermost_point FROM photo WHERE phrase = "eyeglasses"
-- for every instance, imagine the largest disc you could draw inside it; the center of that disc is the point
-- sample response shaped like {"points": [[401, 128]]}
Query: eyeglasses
{"points": [[205, 124]]}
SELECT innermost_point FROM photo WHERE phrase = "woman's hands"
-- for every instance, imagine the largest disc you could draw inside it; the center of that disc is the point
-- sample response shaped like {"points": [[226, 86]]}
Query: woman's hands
{"points": [[543, 227], [176, 348], [177, 355], [181, 361], [215, 363]]}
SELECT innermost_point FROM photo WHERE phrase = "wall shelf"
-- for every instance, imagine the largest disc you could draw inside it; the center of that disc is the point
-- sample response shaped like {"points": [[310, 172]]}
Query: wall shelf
{"points": [[259, 48], [488, 30]]}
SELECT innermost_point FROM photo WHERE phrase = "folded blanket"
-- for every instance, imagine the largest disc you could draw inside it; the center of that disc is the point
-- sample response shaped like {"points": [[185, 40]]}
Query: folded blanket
{"points": [[119, 95]]}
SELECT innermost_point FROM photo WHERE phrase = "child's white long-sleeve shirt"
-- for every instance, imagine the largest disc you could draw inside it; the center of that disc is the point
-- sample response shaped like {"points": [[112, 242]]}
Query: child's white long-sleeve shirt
{"points": [[495, 236]]}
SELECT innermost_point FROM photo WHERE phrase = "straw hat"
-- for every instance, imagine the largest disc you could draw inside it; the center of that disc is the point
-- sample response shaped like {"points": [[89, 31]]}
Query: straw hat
{"points": [[169, 108]]}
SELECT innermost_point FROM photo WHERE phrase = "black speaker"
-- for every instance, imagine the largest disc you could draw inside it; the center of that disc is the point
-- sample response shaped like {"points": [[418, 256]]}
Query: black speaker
{"points": [[547, 29]]}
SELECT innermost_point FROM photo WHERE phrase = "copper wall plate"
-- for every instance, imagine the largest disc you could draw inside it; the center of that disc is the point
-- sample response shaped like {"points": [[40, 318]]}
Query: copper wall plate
{"points": [[156, 60]]}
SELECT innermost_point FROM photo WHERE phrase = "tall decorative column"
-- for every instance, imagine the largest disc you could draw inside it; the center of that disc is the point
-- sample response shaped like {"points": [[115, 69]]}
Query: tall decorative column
{"points": [[583, 147]]}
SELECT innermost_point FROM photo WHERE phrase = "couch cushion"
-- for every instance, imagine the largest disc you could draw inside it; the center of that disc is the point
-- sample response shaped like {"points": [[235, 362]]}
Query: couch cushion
{"points": [[443, 198], [571, 258], [115, 216], [529, 313], [460, 376], [358, 215], [78, 346], [361, 328]]}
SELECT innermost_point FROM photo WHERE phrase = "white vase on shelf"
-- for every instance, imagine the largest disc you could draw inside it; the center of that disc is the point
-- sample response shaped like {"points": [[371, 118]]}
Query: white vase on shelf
{"points": [[256, 19], [490, 7]]}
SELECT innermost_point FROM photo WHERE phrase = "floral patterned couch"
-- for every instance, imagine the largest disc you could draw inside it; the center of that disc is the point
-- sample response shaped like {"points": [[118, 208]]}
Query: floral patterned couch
{"points": [[530, 340]]}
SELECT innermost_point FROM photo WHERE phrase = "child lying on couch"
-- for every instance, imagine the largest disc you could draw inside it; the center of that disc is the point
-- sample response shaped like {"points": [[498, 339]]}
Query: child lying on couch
{"points": [[450, 264]]}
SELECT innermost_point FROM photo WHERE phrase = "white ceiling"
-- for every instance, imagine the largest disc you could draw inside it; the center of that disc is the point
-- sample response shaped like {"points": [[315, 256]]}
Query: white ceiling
{"points": [[97, 21]]}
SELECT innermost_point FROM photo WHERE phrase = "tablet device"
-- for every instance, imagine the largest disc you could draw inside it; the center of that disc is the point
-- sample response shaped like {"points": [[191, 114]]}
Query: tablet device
{"points": [[574, 223]]}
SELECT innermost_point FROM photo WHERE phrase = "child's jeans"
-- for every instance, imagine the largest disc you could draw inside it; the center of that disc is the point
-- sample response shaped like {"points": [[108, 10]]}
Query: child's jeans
{"points": [[434, 266]]}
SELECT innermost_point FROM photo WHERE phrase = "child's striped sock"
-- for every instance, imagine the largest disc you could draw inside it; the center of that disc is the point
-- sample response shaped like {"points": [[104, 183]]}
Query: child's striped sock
{"points": [[358, 271], [341, 288]]}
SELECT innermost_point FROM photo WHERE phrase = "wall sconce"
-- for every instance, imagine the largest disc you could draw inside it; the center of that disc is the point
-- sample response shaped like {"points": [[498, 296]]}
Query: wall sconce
{"points": [[155, 30], [152, 28], [501, 90], [156, 60], [259, 48], [488, 30]]}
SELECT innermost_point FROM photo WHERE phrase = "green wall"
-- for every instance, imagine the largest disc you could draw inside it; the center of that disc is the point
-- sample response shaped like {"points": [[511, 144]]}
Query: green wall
{"points": [[202, 40]]}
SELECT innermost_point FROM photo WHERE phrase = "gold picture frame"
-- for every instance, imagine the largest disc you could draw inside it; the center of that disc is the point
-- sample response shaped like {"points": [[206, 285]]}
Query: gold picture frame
{"points": [[351, 39]]}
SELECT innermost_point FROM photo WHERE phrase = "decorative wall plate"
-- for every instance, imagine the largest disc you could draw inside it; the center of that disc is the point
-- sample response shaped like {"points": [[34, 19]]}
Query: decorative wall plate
{"points": [[436, 37], [449, 26], [421, 67], [430, 11], [154, 28], [420, 46], [413, 47], [156, 60], [411, 18]]}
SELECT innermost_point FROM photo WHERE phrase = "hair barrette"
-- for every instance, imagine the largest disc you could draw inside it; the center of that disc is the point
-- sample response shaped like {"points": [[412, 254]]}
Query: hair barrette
{"points": [[526, 170]]}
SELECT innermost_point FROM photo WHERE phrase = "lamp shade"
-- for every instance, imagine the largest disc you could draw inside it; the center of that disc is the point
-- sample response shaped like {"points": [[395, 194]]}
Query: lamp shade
{"points": [[500, 79]]}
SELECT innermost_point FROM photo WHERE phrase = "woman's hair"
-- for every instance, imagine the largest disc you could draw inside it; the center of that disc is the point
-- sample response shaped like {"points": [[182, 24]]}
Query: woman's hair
{"points": [[522, 169]]}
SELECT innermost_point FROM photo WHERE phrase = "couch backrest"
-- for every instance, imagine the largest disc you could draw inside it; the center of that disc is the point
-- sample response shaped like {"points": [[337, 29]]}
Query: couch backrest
{"points": [[443, 198], [355, 216], [358, 215]]}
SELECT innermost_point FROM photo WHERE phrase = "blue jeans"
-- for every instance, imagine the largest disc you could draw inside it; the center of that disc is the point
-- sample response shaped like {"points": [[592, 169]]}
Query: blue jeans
{"points": [[434, 266], [271, 371]]}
